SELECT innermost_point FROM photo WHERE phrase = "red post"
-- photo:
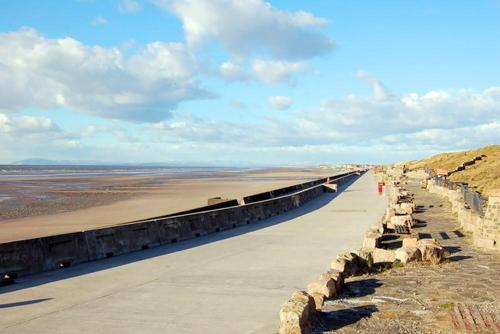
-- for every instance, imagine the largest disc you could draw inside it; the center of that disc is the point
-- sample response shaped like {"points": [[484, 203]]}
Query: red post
{"points": [[380, 187]]}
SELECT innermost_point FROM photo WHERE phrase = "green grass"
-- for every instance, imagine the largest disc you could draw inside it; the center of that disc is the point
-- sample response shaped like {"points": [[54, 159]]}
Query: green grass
{"points": [[446, 306]]}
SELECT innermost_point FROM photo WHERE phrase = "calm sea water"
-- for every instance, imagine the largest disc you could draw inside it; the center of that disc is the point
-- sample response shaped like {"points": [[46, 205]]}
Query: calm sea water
{"points": [[15, 171]]}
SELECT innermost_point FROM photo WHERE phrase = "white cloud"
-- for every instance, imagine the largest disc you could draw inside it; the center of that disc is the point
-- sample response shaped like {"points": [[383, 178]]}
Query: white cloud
{"points": [[247, 27], [39, 72], [280, 102], [129, 6], [275, 71], [233, 72], [24, 125], [99, 21], [370, 128], [379, 90]]}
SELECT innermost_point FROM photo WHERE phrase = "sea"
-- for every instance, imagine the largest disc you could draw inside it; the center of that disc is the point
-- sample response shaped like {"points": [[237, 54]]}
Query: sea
{"points": [[26, 171]]}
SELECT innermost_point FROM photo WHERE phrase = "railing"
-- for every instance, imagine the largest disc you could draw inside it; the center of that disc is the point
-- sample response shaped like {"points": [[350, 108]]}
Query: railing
{"points": [[472, 199]]}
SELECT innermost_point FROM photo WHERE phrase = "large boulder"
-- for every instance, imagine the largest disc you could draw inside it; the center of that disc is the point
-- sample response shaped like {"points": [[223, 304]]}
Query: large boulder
{"points": [[402, 224], [295, 313], [383, 255], [335, 275], [407, 254], [410, 242], [347, 264], [319, 300], [325, 286], [371, 240], [431, 250], [404, 208]]}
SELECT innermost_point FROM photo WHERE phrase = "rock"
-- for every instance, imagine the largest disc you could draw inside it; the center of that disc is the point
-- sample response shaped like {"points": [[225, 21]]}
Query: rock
{"points": [[383, 255], [410, 242], [402, 220], [407, 254], [319, 300], [371, 240], [431, 250], [340, 265], [324, 285], [336, 276], [403, 208], [295, 313], [346, 263], [401, 223], [365, 259]]}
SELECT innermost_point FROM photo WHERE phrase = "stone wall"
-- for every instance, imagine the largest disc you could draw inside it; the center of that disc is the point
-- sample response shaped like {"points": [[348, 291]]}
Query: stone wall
{"points": [[485, 230], [31, 256]]}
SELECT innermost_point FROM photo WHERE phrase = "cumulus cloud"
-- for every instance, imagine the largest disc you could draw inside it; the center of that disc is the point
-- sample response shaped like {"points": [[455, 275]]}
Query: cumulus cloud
{"points": [[404, 124], [275, 71], [280, 102], [247, 27], [24, 125], [233, 72], [39, 72]]}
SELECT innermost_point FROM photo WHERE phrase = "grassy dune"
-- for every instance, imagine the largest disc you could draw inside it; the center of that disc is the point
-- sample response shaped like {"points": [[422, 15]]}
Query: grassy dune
{"points": [[482, 176]]}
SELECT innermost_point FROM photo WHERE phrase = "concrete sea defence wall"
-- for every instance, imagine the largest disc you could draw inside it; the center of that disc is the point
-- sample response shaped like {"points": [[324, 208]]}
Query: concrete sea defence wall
{"points": [[288, 190], [485, 230], [25, 257]]}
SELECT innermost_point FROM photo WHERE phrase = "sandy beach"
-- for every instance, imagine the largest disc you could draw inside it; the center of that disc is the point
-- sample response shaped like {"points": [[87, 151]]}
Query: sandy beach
{"points": [[52, 205]]}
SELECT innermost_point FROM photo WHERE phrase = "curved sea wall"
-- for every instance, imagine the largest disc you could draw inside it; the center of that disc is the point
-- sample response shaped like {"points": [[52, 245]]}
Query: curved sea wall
{"points": [[24, 257]]}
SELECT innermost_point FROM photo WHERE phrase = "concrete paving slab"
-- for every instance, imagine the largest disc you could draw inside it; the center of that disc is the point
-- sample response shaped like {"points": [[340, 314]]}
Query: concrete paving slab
{"points": [[229, 282]]}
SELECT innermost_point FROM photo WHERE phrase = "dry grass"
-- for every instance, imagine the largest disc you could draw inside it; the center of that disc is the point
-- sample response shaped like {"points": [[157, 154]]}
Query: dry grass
{"points": [[482, 176]]}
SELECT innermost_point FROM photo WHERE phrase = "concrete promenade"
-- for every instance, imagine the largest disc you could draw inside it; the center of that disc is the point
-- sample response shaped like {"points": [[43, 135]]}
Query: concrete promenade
{"points": [[229, 282]]}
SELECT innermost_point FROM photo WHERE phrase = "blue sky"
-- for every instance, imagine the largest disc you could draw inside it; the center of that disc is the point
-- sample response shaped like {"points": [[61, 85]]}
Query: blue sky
{"points": [[237, 82]]}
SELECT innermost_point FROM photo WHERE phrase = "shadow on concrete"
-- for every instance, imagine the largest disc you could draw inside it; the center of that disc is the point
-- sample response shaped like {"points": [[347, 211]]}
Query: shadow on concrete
{"points": [[456, 258], [391, 241], [333, 320], [94, 266], [420, 223], [453, 249], [420, 209], [26, 302], [444, 235]]}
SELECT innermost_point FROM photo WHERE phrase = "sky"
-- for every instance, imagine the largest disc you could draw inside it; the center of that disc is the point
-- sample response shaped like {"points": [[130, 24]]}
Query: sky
{"points": [[245, 82]]}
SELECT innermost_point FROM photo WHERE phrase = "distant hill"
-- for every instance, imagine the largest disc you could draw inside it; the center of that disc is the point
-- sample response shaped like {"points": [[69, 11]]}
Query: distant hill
{"points": [[482, 176], [47, 162]]}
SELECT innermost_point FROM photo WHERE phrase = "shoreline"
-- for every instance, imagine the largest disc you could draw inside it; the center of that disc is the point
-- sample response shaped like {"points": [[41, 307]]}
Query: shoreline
{"points": [[105, 201]]}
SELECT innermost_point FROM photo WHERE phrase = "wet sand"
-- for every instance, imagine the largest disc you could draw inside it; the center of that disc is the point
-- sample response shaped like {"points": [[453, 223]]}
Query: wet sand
{"points": [[60, 205]]}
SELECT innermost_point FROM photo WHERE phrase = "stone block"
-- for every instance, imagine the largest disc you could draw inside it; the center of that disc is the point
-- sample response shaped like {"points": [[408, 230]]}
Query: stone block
{"points": [[335, 275], [405, 220], [403, 208], [383, 255], [410, 242], [408, 254], [340, 265], [319, 300], [371, 240], [431, 250], [295, 313], [324, 285], [346, 263]]}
